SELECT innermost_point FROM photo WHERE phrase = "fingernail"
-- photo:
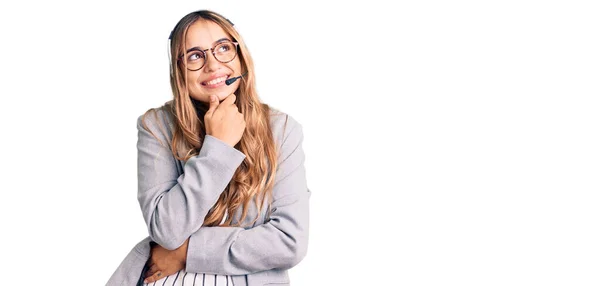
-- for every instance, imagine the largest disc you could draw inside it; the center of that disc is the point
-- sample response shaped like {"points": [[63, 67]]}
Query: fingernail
{"points": [[213, 98]]}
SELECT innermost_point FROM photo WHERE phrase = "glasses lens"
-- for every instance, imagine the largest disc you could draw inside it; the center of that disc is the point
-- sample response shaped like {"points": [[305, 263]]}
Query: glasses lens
{"points": [[225, 52], [195, 60]]}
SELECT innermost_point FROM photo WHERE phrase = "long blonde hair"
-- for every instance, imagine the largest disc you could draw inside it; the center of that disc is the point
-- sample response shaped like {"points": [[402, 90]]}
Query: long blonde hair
{"points": [[255, 177]]}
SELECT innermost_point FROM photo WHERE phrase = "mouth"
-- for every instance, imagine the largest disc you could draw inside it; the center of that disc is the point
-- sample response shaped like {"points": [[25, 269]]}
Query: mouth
{"points": [[215, 82]]}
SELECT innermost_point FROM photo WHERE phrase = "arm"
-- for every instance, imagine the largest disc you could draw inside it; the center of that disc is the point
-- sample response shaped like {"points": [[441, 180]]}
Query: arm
{"points": [[280, 243], [174, 202]]}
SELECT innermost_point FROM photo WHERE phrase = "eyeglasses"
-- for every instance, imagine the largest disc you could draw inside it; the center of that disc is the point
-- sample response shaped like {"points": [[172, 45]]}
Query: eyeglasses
{"points": [[223, 52]]}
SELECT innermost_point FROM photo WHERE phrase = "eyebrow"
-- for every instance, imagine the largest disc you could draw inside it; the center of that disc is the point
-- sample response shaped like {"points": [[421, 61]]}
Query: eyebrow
{"points": [[215, 43]]}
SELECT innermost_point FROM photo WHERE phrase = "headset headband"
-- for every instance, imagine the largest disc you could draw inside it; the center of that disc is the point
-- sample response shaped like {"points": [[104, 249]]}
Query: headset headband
{"points": [[173, 31]]}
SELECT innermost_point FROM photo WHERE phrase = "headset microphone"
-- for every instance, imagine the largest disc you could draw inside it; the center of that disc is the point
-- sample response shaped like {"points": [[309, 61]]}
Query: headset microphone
{"points": [[229, 81]]}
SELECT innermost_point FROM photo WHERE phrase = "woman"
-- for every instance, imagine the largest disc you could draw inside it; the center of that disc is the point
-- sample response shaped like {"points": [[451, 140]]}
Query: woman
{"points": [[221, 177]]}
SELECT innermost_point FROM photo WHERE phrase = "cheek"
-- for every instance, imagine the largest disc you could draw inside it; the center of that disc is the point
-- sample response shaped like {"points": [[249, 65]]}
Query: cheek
{"points": [[237, 64], [192, 79]]}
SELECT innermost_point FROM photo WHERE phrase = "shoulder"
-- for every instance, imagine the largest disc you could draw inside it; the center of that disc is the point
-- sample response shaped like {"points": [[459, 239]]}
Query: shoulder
{"points": [[156, 115], [287, 134], [285, 127], [157, 121]]}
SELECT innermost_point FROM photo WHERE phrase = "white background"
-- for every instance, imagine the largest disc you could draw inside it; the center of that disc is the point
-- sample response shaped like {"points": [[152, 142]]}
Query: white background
{"points": [[447, 142]]}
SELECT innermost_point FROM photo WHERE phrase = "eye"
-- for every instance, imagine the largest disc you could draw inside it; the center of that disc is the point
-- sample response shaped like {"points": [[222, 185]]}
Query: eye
{"points": [[195, 56], [224, 48]]}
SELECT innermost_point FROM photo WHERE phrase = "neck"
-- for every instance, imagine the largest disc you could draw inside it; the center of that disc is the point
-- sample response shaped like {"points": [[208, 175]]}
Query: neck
{"points": [[201, 108]]}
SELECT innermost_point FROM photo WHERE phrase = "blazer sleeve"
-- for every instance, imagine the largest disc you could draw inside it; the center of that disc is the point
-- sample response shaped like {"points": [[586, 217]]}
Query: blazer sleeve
{"points": [[174, 203], [280, 243]]}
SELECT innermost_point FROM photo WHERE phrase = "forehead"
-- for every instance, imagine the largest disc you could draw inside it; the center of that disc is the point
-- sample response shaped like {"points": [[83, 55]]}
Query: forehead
{"points": [[204, 34]]}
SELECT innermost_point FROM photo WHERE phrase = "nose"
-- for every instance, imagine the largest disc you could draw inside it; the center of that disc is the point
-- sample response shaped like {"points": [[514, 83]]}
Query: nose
{"points": [[211, 62]]}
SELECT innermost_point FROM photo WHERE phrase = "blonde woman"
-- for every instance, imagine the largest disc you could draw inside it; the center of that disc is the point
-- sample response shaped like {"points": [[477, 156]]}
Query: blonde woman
{"points": [[221, 177]]}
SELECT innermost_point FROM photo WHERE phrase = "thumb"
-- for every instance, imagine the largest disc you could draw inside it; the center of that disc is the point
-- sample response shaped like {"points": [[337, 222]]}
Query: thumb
{"points": [[214, 102]]}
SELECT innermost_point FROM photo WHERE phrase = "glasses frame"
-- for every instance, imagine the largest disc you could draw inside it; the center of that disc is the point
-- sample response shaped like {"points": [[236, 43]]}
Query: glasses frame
{"points": [[212, 51]]}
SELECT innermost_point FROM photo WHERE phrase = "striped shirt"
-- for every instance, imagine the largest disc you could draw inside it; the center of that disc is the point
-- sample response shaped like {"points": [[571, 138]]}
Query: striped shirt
{"points": [[183, 278]]}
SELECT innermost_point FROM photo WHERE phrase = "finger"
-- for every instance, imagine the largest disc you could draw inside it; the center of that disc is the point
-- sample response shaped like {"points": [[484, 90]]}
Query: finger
{"points": [[214, 102], [154, 277], [153, 269], [229, 100]]}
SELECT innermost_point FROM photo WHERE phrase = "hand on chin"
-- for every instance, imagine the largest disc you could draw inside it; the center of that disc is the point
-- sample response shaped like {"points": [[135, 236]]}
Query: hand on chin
{"points": [[222, 93]]}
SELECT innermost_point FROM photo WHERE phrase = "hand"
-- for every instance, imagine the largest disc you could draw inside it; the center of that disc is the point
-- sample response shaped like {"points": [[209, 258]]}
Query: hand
{"points": [[224, 121], [164, 262]]}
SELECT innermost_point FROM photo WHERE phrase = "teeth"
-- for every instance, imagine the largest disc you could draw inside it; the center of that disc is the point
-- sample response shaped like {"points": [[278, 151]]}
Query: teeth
{"points": [[216, 80]]}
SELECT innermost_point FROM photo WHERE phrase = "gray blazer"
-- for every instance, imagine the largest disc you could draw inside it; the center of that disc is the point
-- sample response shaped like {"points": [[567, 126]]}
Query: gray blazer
{"points": [[175, 197]]}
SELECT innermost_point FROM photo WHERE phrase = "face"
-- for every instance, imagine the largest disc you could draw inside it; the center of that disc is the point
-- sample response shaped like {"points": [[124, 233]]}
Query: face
{"points": [[210, 79]]}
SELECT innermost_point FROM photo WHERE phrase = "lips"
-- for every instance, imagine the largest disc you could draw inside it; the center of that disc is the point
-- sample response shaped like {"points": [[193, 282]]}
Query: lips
{"points": [[215, 80]]}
